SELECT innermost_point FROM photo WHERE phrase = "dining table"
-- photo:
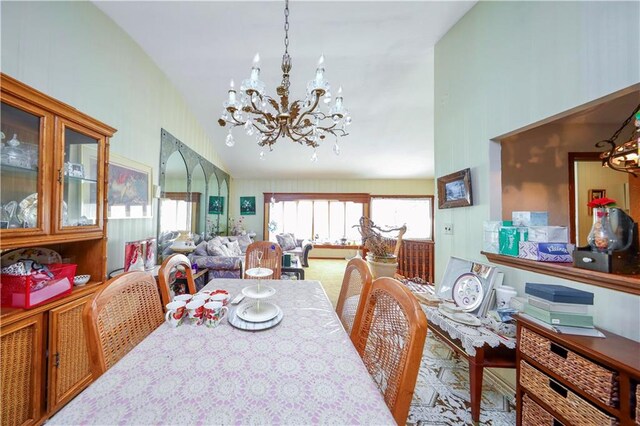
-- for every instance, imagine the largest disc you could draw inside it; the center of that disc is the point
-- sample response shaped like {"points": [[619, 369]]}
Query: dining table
{"points": [[304, 370]]}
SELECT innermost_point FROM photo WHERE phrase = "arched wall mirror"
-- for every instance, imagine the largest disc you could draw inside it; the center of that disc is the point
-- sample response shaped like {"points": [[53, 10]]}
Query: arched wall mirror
{"points": [[224, 216], [214, 196], [185, 181]]}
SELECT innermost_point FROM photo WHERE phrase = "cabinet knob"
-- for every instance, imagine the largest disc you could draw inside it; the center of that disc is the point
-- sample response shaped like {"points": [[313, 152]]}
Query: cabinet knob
{"points": [[56, 359]]}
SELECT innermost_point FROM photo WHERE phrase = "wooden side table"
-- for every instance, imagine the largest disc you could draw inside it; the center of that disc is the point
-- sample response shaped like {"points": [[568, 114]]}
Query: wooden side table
{"points": [[486, 356]]}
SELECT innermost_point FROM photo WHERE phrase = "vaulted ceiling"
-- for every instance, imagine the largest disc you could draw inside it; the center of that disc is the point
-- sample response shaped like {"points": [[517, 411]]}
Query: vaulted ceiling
{"points": [[382, 53]]}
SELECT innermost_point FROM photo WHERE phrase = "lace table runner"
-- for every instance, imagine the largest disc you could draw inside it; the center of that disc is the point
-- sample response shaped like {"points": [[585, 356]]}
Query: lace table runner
{"points": [[470, 336]]}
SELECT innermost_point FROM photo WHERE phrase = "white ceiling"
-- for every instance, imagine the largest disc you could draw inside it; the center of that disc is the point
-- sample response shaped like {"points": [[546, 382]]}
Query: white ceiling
{"points": [[380, 52]]}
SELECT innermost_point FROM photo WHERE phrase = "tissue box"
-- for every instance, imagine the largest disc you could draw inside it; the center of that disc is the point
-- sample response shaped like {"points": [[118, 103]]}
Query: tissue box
{"points": [[509, 237], [546, 252], [530, 218], [491, 239], [549, 234]]}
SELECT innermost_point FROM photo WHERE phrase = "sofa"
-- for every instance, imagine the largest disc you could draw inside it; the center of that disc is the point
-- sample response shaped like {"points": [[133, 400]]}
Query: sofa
{"points": [[223, 256], [299, 247]]}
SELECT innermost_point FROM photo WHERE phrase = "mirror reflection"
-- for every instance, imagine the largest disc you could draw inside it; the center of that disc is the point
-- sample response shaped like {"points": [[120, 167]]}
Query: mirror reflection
{"points": [[188, 182]]}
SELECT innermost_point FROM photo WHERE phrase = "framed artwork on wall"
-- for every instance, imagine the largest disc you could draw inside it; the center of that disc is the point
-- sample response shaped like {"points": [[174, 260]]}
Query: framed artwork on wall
{"points": [[247, 206], [454, 190], [128, 189], [216, 204]]}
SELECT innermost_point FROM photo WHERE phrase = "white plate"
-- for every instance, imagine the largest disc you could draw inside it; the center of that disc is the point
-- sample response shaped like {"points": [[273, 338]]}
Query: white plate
{"points": [[251, 312], [468, 292], [461, 317], [258, 272], [28, 211], [41, 255], [258, 291], [238, 322]]}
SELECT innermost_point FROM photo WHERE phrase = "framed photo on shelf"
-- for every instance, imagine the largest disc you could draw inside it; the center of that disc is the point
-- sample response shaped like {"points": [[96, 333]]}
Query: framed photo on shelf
{"points": [[74, 170], [454, 190], [594, 194]]}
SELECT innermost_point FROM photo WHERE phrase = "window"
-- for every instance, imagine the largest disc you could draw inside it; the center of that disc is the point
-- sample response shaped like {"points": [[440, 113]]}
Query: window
{"points": [[329, 217], [415, 212]]}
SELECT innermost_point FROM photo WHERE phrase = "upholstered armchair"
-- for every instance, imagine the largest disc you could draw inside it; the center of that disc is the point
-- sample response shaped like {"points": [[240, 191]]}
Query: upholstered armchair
{"points": [[298, 247]]}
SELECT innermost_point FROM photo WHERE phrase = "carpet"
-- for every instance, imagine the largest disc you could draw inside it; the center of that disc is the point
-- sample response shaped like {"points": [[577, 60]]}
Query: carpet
{"points": [[441, 396]]}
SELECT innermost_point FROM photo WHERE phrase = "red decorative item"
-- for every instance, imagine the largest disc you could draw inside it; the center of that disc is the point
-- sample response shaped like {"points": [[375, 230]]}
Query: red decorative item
{"points": [[601, 202], [28, 291]]}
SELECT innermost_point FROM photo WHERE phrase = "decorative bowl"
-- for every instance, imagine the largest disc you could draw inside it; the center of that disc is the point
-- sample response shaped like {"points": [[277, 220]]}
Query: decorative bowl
{"points": [[80, 280]]}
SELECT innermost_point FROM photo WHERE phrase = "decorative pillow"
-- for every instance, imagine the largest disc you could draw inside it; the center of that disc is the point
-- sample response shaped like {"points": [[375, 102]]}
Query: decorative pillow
{"points": [[201, 249], [225, 250], [286, 241], [244, 241], [234, 248], [217, 251]]}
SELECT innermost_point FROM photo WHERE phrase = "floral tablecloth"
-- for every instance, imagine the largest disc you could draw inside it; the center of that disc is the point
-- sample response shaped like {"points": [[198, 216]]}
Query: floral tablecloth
{"points": [[303, 371], [472, 337]]}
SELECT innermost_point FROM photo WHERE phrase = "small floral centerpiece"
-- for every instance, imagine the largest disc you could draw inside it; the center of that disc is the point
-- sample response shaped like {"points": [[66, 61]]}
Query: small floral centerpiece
{"points": [[601, 238], [601, 202]]}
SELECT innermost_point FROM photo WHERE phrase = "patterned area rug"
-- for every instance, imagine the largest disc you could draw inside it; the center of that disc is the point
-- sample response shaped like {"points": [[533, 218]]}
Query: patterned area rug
{"points": [[441, 396]]}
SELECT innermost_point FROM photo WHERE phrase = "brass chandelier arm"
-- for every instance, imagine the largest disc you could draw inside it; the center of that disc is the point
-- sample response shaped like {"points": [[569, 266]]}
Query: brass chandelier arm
{"points": [[610, 157], [308, 111]]}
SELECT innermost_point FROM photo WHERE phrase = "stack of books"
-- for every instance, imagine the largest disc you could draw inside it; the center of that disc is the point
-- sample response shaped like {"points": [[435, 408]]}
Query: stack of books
{"points": [[559, 306]]}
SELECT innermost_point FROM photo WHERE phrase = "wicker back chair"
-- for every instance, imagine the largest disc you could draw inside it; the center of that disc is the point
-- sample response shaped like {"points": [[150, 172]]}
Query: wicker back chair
{"points": [[120, 315], [355, 285], [271, 257], [167, 276], [390, 339]]}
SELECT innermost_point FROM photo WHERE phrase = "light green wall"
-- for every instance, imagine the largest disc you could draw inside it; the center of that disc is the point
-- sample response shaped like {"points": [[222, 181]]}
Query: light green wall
{"points": [[76, 54], [509, 64], [256, 187]]}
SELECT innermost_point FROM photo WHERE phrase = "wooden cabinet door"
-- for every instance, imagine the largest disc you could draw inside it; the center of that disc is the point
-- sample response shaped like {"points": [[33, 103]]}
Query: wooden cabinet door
{"points": [[69, 368], [21, 369]]}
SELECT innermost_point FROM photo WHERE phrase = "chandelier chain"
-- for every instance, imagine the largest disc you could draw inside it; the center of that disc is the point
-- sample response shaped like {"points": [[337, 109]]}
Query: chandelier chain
{"points": [[626, 122], [286, 27]]}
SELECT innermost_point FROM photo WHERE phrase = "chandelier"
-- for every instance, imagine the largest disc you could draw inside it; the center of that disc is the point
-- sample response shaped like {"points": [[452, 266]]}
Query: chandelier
{"points": [[624, 157], [301, 121]]}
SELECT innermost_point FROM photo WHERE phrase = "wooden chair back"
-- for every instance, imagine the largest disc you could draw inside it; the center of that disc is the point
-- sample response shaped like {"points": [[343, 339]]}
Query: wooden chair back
{"points": [[167, 276], [271, 257], [390, 339], [120, 315], [357, 279]]}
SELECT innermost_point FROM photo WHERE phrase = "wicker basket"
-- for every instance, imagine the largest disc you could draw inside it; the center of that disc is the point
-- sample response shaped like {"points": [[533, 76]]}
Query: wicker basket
{"points": [[591, 378], [566, 403], [533, 414]]}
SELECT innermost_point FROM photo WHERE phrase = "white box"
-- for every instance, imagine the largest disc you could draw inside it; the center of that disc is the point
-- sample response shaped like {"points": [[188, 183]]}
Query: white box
{"points": [[549, 234], [530, 218], [490, 240]]}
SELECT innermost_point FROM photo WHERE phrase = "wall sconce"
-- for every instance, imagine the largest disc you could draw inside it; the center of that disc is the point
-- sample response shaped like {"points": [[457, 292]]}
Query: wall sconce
{"points": [[624, 157]]}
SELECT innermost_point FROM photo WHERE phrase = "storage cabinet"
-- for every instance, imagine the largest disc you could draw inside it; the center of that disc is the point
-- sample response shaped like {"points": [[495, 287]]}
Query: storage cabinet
{"points": [[21, 357], [53, 180], [69, 369], [575, 380]]}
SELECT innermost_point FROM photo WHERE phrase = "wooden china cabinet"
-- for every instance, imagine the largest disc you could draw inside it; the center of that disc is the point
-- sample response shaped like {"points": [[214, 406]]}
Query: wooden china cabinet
{"points": [[53, 174]]}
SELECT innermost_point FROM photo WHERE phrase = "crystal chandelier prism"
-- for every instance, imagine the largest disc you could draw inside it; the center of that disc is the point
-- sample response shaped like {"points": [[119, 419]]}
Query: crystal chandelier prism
{"points": [[301, 121]]}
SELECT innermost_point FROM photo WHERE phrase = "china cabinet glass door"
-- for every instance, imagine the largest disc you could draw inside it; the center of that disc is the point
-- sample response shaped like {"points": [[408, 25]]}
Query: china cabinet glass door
{"points": [[79, 174], [21, 168]]}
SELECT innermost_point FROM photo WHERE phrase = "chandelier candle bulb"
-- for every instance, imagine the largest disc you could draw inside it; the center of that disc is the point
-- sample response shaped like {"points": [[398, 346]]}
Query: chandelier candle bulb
{"points": [[255, 70]]}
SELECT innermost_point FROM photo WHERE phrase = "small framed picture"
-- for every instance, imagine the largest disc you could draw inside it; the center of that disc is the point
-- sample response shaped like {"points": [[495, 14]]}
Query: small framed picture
{"points": [[75, 170], [454, 190]]}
